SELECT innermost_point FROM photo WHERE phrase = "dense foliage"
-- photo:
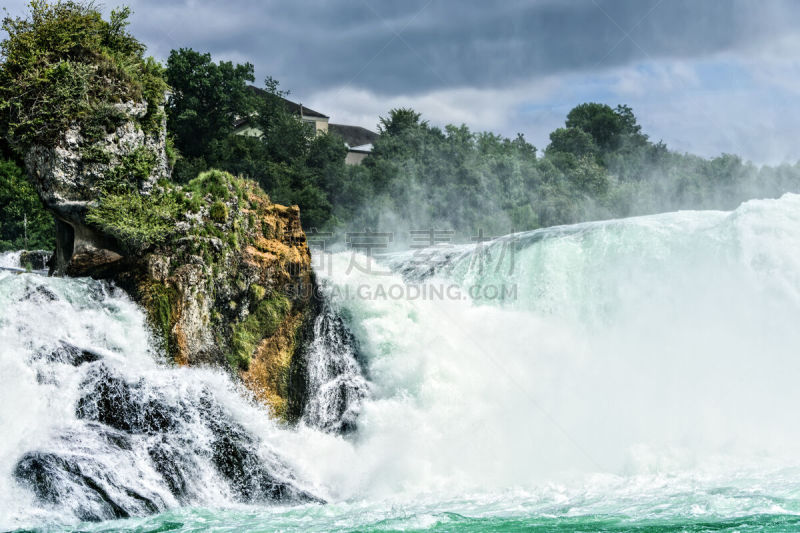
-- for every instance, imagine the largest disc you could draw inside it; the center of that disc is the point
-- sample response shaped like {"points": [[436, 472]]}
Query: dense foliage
{"points": [[23, 221], [599, 165], [64, 64], [293, 166], [206, 99]]}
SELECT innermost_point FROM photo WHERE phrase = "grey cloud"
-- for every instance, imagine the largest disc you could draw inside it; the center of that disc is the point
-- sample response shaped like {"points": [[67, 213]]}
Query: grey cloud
{"points": [[415, 46]]}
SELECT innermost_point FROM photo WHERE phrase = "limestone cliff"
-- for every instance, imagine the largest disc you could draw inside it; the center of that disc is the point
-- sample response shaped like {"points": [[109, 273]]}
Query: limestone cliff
{"points": [[88, 161], [221, 271]]}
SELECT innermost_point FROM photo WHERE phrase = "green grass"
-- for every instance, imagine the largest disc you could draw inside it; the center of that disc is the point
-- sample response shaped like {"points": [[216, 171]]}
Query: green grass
{"points": [[212, 182], [135, 220]]}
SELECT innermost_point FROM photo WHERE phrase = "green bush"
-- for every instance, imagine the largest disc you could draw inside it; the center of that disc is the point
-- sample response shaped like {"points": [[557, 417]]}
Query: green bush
{"points": [[63, 64], [132, 170], [218, 212], [104, 120], [135, 220], [212, 182], [95, 154]]}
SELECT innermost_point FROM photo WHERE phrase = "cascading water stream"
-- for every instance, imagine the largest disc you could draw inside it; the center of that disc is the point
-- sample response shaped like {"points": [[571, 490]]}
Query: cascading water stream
{"points": [[335, 382], [10, 260]]}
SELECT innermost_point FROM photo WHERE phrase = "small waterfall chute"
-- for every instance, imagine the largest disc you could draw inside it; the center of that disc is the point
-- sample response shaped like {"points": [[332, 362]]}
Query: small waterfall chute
{"points": [[335, 381]]}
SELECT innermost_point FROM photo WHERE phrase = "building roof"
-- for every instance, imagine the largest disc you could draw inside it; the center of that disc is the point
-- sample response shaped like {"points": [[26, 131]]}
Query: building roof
{"points": [[293, 107], [354, 136], [363, 149]]}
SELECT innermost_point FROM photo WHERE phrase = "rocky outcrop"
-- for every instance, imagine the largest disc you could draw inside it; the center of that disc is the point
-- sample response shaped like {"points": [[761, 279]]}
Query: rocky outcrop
{"points": [[222, 271], [34, 259], [89, 160], [234, 293]]}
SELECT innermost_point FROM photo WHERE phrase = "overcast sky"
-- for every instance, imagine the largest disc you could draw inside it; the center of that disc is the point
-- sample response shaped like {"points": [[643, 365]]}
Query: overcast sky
{"points": [[705, 76]]}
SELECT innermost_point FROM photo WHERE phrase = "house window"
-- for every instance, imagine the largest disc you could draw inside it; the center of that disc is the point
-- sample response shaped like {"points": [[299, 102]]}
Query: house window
{"points": [[311, 127]]}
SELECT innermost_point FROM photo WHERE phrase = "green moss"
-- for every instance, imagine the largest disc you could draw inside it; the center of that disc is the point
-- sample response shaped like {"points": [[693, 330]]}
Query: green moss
{"points": [[218, 212], [260, 324], [257, 292]]}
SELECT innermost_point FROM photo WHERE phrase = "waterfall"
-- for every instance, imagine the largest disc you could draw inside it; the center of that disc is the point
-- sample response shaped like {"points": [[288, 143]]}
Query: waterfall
{"points": [[335, 382], [622, 346], [96, 428]]}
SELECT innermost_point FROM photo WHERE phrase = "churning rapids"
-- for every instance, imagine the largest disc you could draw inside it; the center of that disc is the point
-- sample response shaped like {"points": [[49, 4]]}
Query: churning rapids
{"points": [[619, 375]]}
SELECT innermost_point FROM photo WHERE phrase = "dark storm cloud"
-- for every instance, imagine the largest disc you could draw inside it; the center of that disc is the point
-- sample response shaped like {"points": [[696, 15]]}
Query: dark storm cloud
{"points": [[416, 46]]}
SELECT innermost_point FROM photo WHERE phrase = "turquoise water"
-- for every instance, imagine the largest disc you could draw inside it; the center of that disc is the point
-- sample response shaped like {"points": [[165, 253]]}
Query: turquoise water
{"points": [[445, 521], [675, 512]]}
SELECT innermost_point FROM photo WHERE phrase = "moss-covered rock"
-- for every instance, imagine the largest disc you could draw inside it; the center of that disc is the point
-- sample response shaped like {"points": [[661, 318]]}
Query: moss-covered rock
{"points": [[210, 260], [65, 66], [217, 290], [104, 193]]}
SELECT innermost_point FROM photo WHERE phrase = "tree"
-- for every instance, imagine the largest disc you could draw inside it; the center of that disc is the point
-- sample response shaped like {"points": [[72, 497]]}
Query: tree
{"points": [[400, 119], [600, 121], [206, 100], [628, 123], [572, 140], [283, 134], [20, 203]]}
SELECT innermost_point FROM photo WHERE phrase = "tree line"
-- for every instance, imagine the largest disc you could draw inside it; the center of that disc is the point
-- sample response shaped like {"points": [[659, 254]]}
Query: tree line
{"points": [[599, 165]]}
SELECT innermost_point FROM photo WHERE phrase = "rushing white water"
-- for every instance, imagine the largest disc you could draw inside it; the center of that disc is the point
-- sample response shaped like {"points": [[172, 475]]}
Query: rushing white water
{"points": [[94, 427], [632, 346], [643, 368], [335, 380], [10, 260]]}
